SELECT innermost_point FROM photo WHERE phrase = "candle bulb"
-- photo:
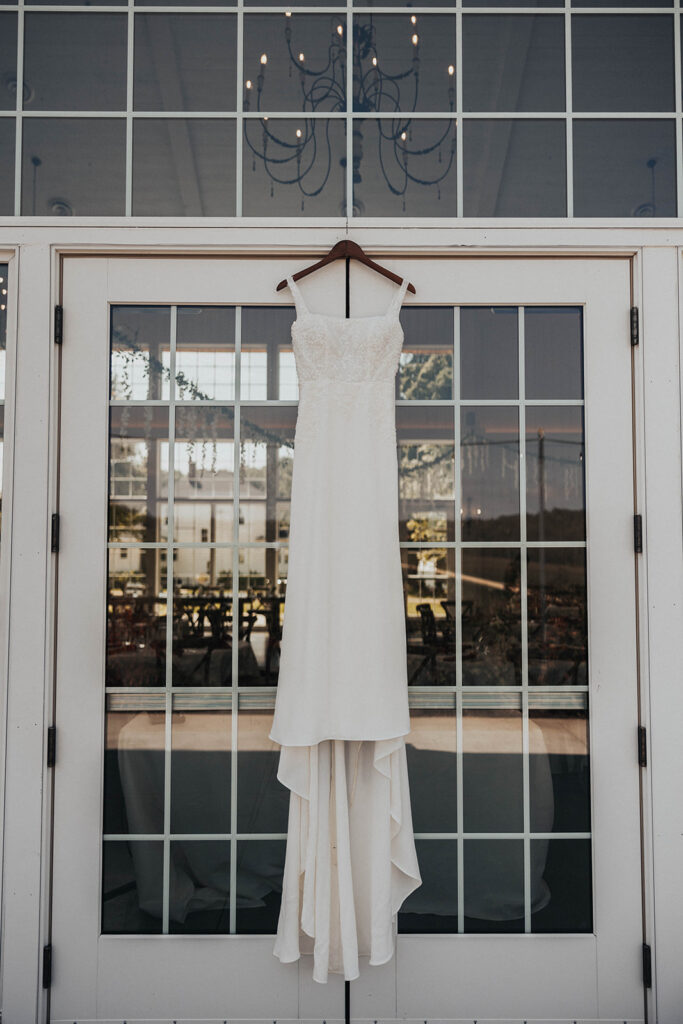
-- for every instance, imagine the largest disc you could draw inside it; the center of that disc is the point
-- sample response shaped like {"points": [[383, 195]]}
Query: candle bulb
{"points": [[416, 39], [451, 69], [264, 59], [301, 57], [374, 61], [413, 20]]}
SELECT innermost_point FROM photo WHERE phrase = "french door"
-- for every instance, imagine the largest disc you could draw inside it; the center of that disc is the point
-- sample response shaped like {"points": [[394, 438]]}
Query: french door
{"points": [[178, 411]]}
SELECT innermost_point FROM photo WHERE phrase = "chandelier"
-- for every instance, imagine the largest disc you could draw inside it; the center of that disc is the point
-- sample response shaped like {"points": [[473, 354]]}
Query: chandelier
{"points": [[304, 158]]}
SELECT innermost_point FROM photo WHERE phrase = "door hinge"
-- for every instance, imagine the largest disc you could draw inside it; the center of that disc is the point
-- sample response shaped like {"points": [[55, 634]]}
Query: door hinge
{"points": [[54, 543], [51, 745], [635, 326], [647, 966], [642, 746], [638, 534], [59, 324], [47, 965]]}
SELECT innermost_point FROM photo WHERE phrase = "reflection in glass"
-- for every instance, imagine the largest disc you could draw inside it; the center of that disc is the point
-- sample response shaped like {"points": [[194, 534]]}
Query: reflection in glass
{"points": [[73, 167], [433, 907], [136, 618], [3, 348], [267, 369], [426, 473], [425, 368], [514, 3], [555, 492], [260, 864], [488, 352], [75, 61], [132, 887], [304, 66], [262, 607], [183, 167], [489, 458], [404, 167], [514, 62], [134, 772], [623, 62], [494, 885], [199, 884], [205, 353], [515, 168], [558, 744], [557, 626], [140, 340], [7, 142], [266, 465], [567, 881], [432, 769], [491, 628], [202, 616], [262, 801], [624, 168], [184, 62], [8, 60], [138, 435], [294, 167], [553, 345], [492, 771], [204, 471], [429, 593], [200, 771], [404, 62]]}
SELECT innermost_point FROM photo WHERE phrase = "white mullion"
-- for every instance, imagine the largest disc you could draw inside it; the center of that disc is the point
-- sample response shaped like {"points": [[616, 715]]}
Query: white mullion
{"points": [[460, 846], [569, 108], [168, 737], [677, 102], [234, 721], [129, 109], [239, 104], [459, 183], [18, 127], [349, 112], [523, 624]]}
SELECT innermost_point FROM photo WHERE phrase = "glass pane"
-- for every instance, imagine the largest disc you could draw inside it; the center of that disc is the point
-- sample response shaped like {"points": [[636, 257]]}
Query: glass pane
{"points": [[404, 62], [200, 771], [555, 488], [488, 352], [624, 168], [561, 869], [515, 168], [136, 618], [553, 347], [183, 168], [262, 606], [426, 473], [204, 469], [267, 369], [493, 798], [494, 885], [513, 3], [623, 62], [294, 168], [294, 62], [138, 435], [184, 62], [262, 801], [433, 907], [140, 345], [260, 865], [3, 328], [134, 772], [205, 353], [7, 142], [558, 630], [432, 769], [132, 887], [491, 629], [425, 368], [620, 3], [489, 458], [429, 589], [8, 60], [266, 464], [75, 61], [73, 167], [513, 63], [199, 887], [404, 167], [202, 616], [559, 771]]}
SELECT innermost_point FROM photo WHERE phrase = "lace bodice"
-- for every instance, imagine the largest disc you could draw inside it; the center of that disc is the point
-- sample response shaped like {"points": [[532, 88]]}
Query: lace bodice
{"points": [[354, 350]]}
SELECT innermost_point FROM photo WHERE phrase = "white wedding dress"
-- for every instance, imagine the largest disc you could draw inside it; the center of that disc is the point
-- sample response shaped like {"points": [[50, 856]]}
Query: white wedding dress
{"points": [[341, 713]]}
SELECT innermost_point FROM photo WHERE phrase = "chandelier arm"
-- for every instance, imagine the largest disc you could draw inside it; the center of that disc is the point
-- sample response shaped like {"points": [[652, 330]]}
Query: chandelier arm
{"points": [[385, 174], [301, 66], [316, 192]]}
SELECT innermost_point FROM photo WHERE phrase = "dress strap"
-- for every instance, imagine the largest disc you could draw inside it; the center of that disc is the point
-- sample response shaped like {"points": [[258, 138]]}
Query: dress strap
{"points": [[301, 306], [398, 297]]}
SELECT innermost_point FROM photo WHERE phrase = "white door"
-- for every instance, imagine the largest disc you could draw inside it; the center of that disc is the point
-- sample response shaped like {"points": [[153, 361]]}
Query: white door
{"points": [[520, 609]]}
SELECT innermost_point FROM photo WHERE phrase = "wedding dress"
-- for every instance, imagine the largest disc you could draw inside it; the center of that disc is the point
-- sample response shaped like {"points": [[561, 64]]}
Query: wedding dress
{"points": [[341, 712]]}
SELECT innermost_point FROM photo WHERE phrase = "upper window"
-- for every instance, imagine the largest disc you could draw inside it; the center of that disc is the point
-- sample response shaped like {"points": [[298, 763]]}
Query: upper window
{"points": [[372, 109]]}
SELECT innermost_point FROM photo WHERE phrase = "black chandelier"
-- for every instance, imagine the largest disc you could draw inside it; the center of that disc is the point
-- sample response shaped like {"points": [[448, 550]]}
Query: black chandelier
{"points": [[291, 160]]}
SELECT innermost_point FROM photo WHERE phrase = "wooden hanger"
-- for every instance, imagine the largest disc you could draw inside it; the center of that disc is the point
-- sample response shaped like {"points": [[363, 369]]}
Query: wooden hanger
{"points": [[350, 251]]}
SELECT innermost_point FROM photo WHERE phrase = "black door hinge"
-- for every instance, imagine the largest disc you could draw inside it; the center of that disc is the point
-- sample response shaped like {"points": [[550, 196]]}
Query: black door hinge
{"points": [[59, 324], [635, 326], [54, 544], [47, 966], [638, 534], [647, 966], [642, 746], [51, 745]]}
